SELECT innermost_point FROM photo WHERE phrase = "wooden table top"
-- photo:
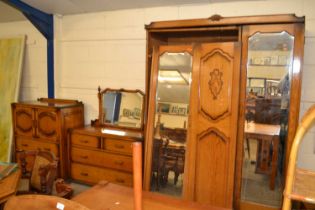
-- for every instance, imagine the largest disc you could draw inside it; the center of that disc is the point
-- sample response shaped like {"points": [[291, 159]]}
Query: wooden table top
{"points": [[8, 185], [176, 144], [115, 197], [263, 129], [41, 202]]}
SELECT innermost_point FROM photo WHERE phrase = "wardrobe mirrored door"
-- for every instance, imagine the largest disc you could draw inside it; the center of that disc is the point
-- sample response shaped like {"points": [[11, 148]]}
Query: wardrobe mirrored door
{"points": [[169, 119], [270, 95]]}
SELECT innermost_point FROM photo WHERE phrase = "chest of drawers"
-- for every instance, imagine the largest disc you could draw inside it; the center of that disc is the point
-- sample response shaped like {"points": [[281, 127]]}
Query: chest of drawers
{"points": [[95, 155], [43, 125]]}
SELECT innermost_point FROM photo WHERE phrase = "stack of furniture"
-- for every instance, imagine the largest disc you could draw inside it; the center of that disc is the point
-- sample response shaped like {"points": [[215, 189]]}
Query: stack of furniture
{"points": [[44, 124], [103, 150]]}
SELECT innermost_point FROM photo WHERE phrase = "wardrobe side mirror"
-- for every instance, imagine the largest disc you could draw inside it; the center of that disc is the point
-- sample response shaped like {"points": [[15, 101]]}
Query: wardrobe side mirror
{"points": [[269, 77], [171, 122], [121, 108]]}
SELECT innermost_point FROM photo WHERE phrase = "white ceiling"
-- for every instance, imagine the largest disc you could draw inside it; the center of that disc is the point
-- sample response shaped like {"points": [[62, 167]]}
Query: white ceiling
{"points": [[67, 7]]}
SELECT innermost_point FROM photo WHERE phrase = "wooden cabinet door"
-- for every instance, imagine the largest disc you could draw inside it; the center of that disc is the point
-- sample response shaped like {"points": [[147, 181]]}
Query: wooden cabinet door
{"points": [[47, 124], [23, 121], [213, 124]]}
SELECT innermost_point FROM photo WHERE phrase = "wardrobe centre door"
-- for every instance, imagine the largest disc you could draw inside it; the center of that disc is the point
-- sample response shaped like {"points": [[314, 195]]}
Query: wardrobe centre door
{"points": [[212, 131]]}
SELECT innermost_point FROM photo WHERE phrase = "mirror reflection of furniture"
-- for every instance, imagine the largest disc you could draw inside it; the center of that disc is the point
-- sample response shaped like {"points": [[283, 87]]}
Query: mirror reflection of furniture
{"points": [[170, 121], [267, 136], [157, 163], [174, 161], [39, 172], [121, 108], [275, 81]]}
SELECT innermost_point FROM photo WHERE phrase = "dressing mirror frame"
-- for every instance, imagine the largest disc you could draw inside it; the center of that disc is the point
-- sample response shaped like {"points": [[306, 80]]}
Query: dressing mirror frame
{"points": [[100, 104]]}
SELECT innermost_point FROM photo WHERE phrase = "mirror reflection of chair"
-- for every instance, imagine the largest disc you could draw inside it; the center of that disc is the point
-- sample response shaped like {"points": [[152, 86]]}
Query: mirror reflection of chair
{"points": [[39, 172], [174, 161], [156, 163]]}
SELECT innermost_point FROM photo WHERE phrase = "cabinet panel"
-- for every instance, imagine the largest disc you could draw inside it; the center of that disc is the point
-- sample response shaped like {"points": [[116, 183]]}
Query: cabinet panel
{"points": [[93, 175], [23, 121], [46, 124], [96, 156], [102, 159], [118, 146], [212, 141], [29, 144], [85, 140]]}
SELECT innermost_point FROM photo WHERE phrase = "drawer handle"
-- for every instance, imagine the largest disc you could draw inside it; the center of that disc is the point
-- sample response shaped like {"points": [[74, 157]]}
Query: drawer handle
{"points": [[25, 145], [84, 174], [119, 146], [84, 156], [120, 180], [119, 162], [84, 141]]}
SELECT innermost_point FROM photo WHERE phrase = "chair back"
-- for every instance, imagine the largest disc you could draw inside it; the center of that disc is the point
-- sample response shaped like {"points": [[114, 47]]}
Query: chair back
{"points": [[300, 183], [43, 169], [157, 149]]}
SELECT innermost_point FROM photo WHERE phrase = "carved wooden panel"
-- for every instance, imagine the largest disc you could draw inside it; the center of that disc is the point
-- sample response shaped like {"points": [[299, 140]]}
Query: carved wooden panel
{"points": [[46, 124], [24, 122], [216, 70], [211, 170], [213, 131]]}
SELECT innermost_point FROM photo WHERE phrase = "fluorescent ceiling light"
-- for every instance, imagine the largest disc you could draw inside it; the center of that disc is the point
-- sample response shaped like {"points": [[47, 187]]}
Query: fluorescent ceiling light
{"points": [[171, 77]]}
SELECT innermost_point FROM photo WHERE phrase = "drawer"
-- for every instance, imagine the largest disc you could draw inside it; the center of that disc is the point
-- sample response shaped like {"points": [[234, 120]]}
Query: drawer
{"points": [[118, 146], [103, 159], [29, 144], [92, 175], [85, 140]]}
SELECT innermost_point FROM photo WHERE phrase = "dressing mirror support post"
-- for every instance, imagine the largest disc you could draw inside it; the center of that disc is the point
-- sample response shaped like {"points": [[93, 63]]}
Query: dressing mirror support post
{"points": [[121, 108]]}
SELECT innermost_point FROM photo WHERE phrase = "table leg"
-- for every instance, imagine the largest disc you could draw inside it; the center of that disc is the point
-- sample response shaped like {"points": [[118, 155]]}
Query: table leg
{"points": [[274, 162], [248, 148]]}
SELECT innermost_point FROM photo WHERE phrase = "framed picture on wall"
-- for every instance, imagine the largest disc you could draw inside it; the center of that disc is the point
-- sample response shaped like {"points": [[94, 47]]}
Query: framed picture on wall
{"points": [[274, 60], [282, 60], [164, 107]]}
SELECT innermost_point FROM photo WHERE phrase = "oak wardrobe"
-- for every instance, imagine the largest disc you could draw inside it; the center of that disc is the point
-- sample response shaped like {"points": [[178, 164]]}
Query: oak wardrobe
{"points": [[223, 104]]}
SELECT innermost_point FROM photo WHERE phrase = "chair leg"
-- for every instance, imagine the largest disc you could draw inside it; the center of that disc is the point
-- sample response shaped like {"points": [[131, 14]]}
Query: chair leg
{"points": [[248, 147], [176, 177], [286, 203], [158, 175]]}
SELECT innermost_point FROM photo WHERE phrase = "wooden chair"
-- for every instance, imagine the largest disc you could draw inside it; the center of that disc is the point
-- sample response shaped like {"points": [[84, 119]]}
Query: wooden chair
{"points": [[300, 183], [174, 160], [39, 172]]}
